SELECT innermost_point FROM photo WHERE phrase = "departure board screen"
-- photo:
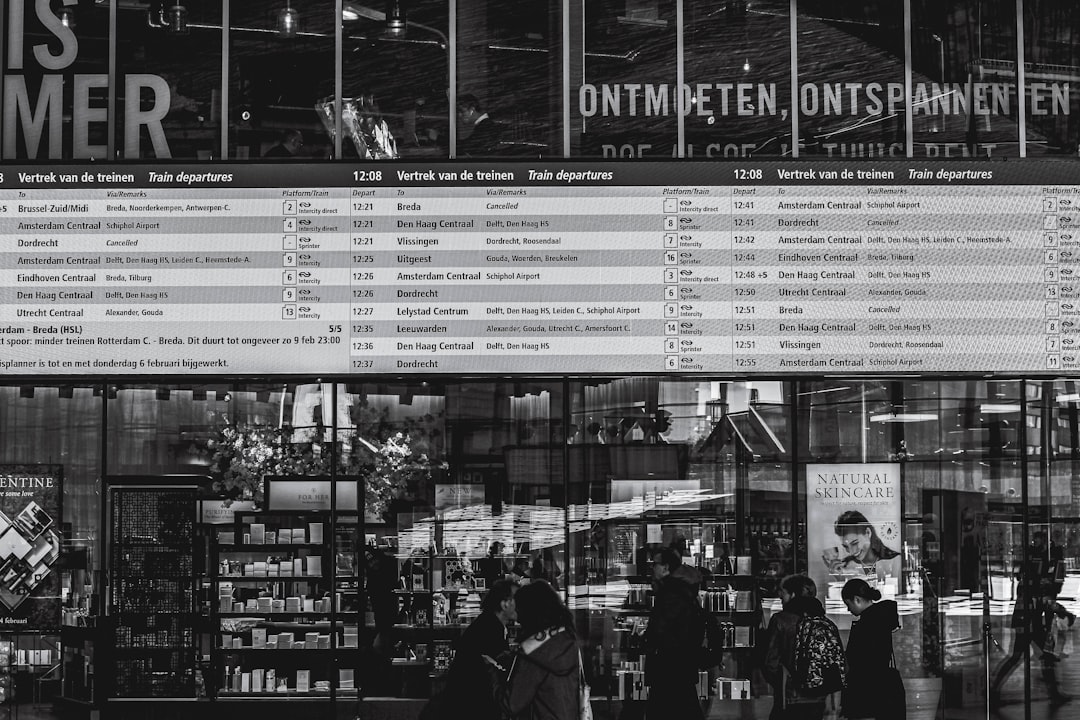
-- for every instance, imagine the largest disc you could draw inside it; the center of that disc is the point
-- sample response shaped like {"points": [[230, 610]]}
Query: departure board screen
{"points": [[671, 267]]}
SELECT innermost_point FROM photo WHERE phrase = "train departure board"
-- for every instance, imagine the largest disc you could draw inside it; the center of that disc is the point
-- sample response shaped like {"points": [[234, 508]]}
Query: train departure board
{"points": [[778, 268]]}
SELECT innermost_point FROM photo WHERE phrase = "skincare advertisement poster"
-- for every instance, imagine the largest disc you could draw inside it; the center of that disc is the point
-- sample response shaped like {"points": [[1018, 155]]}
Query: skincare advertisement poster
{"points": [[853, 525], [29, 547]]}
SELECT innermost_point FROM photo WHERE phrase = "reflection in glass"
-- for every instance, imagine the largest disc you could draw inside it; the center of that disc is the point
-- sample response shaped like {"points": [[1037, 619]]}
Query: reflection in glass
{"points": [[395, 74], [170, 95], [851, 80], [1051, 70], [964, 80], [362, 124]]}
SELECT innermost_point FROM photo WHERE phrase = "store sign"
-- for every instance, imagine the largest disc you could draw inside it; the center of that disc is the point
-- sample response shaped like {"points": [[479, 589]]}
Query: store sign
{"points": [[855, 99], [853, 526], [309, 494], [29, 547], [35, 111], [216, 512], [458, 496], [728, 120]]}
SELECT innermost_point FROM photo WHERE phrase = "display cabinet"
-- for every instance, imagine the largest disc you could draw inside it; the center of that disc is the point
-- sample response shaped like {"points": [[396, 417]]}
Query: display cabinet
{"points": [[278, 617], [437, 597], [427, 580], [616, 569]]}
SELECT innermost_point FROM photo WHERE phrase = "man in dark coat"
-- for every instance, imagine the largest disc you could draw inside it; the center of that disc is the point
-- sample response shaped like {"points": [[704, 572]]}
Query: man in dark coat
{"points": [[672, 642], [468, 682], [289, 145], [482, 134]]}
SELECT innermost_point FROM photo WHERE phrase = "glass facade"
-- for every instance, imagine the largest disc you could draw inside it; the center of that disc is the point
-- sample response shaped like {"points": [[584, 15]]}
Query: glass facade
{"points": [[573, 479], [577, 480], [624, 79]]}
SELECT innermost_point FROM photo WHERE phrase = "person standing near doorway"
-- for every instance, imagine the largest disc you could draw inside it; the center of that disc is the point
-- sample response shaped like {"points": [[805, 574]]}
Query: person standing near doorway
{"points": [[874, 686], [672, 643]]}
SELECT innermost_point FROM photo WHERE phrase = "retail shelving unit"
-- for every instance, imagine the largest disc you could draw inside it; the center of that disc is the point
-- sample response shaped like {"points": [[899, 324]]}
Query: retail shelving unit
{"points": [[279, 624]]}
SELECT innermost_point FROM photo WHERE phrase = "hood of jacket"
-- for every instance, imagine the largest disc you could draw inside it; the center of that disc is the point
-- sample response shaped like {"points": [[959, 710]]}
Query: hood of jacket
{"points": [[557, 653], [805, 606], [883, 613], [674, 585], [688, 574]]}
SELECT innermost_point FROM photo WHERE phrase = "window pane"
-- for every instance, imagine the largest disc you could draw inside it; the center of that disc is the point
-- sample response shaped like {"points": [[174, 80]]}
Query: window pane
{"points": [[55, 81], [627, 106], [169, 76], [851, 79], [1051, 47], [394, 78], [281, 66]]}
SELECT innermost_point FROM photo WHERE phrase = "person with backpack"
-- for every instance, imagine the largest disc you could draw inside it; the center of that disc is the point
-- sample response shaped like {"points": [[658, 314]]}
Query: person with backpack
{"points": [[799, 596], [673, 642], [875, 688]]}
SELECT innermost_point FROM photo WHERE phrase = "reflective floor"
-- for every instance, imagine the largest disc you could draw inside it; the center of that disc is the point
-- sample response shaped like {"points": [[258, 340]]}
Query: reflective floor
{"points": [[1011, 707], [27, 711]]}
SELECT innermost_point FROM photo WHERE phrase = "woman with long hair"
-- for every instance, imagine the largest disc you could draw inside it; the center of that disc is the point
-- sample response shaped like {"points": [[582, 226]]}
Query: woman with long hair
{"points": [[544, 681]]}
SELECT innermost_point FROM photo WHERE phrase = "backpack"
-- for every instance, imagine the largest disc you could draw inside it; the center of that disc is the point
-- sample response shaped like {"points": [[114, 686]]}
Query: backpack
{"points": [[711, 652], [820, 663]]}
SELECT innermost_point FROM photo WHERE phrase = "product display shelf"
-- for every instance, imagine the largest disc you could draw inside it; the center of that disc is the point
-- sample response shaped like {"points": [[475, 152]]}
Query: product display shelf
{"points": [[279, 636], [733, 600]]}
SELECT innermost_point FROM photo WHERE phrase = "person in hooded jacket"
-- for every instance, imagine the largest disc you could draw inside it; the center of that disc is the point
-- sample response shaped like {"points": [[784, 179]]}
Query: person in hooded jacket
{"points": [[672, 641], [870, 655], [544, 682], [798, 593]]}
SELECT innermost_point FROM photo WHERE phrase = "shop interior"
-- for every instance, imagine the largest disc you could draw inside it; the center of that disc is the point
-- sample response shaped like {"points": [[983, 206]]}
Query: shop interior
{"points": [[198, 533]]}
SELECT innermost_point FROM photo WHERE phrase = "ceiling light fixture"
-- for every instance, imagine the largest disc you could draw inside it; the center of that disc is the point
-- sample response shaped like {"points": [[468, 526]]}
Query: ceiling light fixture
{"points": [[288, 21], [396, 24], [395, 19], [999, 408], [903, 417], [177, 20], [67, 16]]}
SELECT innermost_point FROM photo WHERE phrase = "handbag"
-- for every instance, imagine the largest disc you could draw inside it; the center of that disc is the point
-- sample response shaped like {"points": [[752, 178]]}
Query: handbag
{"points": [[893, 697], [1059, 641], [584, 698], [789, 696]]}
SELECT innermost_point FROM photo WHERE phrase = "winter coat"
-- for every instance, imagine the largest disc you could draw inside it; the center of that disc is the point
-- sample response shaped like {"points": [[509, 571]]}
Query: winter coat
{"points": [[545, 681], [869, 655], [674, 634], [780, 653], [468, 681]]}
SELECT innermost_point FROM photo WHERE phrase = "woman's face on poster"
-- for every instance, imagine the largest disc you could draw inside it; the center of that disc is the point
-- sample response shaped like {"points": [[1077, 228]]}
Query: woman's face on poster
{"points": [[856, 543]]}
